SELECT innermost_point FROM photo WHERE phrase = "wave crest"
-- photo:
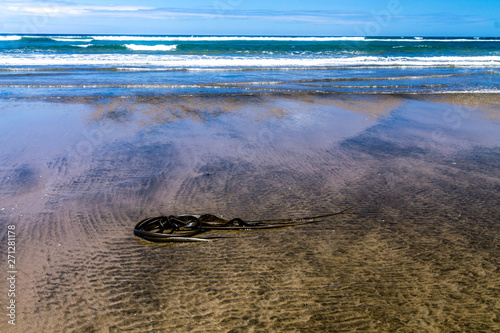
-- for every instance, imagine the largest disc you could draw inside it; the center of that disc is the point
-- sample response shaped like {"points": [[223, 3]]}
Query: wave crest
{"points": [[210, 62], [136, 47]]}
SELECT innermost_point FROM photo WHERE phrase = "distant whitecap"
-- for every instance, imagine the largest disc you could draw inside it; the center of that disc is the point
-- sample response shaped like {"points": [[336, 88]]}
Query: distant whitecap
{"points": [[151, 47]]}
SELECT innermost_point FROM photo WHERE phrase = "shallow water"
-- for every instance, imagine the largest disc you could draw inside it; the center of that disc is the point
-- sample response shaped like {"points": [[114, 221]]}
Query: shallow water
{"points": [[418, 252]]}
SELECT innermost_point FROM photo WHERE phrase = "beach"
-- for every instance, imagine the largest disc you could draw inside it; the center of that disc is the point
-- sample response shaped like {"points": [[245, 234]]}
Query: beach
{"points": [[417, 252], [99, 132]]}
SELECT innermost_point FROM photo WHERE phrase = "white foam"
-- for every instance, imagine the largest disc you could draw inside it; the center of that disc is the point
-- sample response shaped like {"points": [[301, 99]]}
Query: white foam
{"points": [[278, 39], [83, 40], [9, 38], [215, 62], [244, 38], [136, 47], [139, 86], [223, 38], [421, 39]]}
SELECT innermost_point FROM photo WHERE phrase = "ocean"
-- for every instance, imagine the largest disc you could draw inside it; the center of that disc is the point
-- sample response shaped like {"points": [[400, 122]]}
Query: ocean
{"points": [[98, 132], [95, 65]]}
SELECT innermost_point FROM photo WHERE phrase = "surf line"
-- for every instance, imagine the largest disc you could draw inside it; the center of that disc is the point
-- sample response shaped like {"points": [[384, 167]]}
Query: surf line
{"points": [[182, 228]]}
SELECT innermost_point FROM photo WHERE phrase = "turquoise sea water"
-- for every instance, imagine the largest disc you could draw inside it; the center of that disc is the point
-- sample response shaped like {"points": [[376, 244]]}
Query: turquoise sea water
{"points": [[83, 65]]}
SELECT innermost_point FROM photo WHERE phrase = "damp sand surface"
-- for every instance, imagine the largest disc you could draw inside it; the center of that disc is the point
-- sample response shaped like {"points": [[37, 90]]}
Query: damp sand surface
{"points": [[418, 251]]}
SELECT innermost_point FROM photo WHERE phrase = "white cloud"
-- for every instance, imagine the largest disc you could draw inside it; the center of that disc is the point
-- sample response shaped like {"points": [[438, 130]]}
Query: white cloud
{"points": [[13, 9], [63, 8], [55, 8], [115, 8], [52, 11]]}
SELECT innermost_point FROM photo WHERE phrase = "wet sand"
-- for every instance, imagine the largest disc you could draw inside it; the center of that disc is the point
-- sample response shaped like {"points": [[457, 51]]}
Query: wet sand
{"points": [[418, 252]]}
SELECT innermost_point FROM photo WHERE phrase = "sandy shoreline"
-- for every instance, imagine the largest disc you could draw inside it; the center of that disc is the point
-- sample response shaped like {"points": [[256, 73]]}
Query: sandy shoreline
{"points": [[418, 253]]}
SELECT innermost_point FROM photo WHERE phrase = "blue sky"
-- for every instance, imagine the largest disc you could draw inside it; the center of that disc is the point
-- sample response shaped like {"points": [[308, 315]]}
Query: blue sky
{"points": [[254, 17]]}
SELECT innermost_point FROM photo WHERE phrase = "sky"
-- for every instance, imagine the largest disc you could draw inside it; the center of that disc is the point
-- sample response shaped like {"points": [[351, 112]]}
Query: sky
{"points": [[254, 17]]}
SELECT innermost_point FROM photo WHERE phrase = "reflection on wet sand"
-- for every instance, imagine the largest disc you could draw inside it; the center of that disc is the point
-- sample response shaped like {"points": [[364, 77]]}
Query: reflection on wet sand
{"points": [[154, 110], [418, 252], [485, 105]]}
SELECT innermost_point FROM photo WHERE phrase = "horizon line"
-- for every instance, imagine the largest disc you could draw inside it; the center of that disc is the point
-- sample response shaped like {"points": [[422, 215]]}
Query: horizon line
{"points": [[246, 35]]}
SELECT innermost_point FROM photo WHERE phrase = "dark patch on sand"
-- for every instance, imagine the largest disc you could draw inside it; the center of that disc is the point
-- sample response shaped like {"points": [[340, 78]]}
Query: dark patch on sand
{"points": [[378, 147], [21, 179]]}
